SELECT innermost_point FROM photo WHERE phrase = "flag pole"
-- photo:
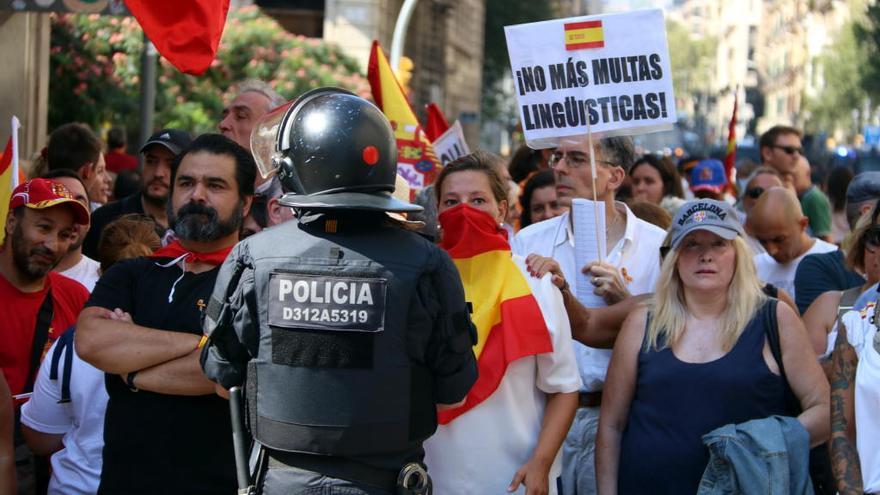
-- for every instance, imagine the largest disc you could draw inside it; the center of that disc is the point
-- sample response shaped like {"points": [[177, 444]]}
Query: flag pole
{"points": [[595, 198], [16, 125]]}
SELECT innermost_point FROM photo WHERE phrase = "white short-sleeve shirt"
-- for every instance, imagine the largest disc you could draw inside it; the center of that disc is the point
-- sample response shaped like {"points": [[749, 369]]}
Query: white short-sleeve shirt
{"points": [[638, 251], [76, 468], [479, 452], [86, 272], [861, 332], [782, 275]]}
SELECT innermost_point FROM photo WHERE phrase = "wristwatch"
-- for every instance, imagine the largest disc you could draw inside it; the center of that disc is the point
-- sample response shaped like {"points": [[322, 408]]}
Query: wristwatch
{"points": [[129, 380]]}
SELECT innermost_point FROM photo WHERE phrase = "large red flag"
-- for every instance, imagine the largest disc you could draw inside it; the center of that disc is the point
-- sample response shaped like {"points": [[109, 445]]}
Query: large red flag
{"points": [[186, 33], [437, 123]]}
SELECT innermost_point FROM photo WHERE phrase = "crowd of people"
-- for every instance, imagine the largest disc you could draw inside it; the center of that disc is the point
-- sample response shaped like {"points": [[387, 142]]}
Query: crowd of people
{"points": [[734, 322]]}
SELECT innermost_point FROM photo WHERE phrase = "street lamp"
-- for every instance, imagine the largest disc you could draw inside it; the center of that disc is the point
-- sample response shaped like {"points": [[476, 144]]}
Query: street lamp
{"points": [[406, 11]]}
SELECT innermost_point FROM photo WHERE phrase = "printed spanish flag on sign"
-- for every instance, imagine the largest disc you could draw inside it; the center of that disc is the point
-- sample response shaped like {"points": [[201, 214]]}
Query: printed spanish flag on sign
{"points": [[581, 35]]}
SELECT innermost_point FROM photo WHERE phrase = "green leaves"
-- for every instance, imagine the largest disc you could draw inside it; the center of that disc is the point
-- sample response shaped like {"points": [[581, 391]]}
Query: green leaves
{"points": [[95, 64]]}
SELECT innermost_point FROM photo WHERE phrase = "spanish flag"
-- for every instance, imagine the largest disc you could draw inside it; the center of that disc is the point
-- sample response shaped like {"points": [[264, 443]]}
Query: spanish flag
{"points": [[580, 35], [730, 157], [10, 175], [186, 33], [509, 321], [417, 162]]}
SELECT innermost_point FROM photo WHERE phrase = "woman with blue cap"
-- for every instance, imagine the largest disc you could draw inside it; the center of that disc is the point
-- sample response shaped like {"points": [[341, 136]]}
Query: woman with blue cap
{"points": [[697, 358]]}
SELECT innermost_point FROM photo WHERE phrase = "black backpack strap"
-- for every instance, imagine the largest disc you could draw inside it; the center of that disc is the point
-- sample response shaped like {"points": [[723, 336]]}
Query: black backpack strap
{"points": [[771, 327], [64, 345], [41, 336]]}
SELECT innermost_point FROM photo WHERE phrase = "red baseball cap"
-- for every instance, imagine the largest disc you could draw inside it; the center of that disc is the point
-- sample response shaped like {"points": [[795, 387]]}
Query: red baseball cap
{"points": [[39, 194]]}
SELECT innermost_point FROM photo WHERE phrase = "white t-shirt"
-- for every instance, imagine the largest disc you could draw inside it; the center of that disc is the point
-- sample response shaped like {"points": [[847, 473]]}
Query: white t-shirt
{"points": [[637, 252], [86, 272], [479, 452], [861, 332], [76, 468], [782, 275]]}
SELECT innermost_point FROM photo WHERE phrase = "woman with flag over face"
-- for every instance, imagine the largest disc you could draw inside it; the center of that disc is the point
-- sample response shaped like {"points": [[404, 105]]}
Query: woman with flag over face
{"points": [[507, 435]]}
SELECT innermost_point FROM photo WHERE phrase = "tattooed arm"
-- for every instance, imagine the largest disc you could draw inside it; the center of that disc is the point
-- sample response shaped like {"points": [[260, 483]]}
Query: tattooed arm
{"points": [[844, 457]]}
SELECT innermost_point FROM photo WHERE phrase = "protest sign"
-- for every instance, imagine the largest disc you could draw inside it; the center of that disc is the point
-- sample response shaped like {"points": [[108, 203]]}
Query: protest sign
{"points": [[607, 74], [451, 144]]}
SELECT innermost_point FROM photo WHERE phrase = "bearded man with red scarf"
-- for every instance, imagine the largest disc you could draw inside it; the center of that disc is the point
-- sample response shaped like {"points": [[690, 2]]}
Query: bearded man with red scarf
{"points": [[166, 431]]}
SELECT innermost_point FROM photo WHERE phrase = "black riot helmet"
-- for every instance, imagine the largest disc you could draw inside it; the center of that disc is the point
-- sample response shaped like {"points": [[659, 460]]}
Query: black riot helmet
{"points": [[332, 150]]}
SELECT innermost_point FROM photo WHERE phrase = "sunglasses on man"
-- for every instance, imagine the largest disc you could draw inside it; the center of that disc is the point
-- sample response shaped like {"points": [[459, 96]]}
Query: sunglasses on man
{"points": [[791, 150], [754, 192]]}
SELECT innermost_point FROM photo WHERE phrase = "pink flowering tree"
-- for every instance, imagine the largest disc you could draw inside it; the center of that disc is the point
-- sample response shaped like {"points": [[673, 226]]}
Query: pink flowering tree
{"points": [[95, 64]]}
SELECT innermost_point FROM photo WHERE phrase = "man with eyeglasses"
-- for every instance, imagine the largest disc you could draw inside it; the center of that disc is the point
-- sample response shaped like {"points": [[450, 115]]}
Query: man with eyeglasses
{"points": [[780, 148], [631, 267]]}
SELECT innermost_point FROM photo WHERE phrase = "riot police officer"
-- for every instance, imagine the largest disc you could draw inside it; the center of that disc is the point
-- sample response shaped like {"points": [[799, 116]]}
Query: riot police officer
{"points": [[345, 330]]}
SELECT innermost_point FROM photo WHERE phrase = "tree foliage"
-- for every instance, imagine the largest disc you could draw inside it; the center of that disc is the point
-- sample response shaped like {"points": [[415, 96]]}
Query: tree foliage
{"points": [[691, 61], [95, 64], [496, 61], [841, 92], [867, 34]]}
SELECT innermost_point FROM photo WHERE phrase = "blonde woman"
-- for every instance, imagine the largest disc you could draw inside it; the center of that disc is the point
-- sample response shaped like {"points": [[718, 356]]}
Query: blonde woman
{"points": [[697, 359]]}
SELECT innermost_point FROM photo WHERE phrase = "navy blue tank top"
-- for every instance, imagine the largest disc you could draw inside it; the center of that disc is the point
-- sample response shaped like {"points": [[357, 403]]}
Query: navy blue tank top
{"points": [[676, 403]]}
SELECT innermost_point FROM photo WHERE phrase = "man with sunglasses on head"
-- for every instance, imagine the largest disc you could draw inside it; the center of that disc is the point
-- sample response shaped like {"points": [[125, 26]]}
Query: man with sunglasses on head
{"points": [[780, 148], [761, 179], [631, 267]]}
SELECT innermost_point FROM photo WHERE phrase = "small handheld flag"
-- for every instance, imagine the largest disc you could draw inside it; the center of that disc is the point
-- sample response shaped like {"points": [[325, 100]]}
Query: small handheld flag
{"points": [[10, 175]]}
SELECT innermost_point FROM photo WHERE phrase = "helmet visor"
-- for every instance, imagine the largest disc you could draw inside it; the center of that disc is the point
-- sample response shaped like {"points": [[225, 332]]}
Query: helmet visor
{"points": [[264, 139]]}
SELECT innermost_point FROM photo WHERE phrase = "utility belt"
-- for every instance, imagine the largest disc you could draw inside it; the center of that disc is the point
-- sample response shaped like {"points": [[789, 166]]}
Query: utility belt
{"points": [[590, 399], [413, 479], [335, 467]]}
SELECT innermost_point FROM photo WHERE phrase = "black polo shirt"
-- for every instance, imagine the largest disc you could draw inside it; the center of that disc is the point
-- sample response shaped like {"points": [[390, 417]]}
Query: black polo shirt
{"points": [[157, 443]]}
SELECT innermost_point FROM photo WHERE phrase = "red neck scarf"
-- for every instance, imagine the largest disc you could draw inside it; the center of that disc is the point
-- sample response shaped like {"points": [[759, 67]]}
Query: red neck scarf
{"points": [[467, 229], [175, 250]]}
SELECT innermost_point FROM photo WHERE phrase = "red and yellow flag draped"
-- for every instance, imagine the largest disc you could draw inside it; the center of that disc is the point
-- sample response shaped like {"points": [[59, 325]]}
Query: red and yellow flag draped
{"points": [[509, 321], [416, 161]]}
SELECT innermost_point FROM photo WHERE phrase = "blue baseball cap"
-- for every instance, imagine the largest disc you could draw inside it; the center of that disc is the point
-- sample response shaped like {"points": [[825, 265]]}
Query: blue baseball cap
{"points": [[717, 217], [708, 175]]}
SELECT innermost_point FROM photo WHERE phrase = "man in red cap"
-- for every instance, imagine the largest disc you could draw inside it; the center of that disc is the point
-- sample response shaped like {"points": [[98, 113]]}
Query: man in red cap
{"points": [[37, 304]]}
